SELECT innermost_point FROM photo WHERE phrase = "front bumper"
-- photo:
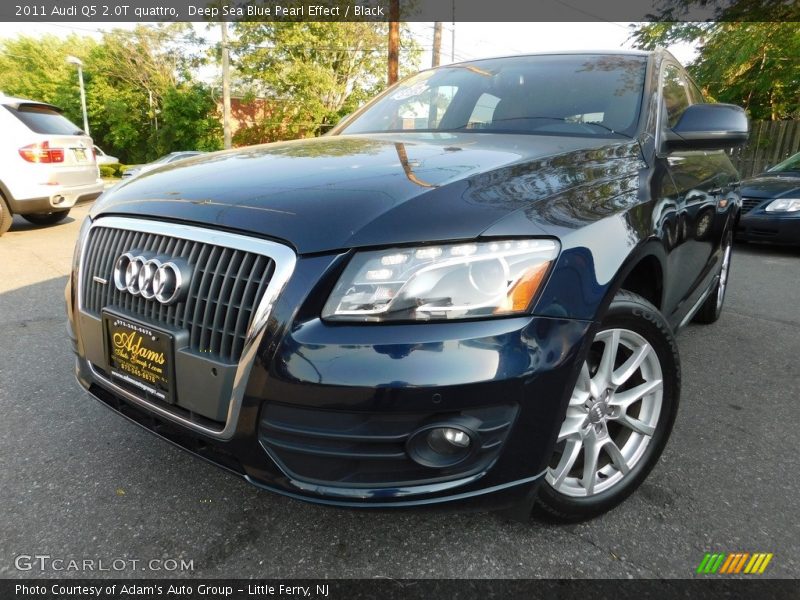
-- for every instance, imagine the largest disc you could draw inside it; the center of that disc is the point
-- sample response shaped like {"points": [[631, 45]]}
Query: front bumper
{"points": [[773, 228], [328, 409]]}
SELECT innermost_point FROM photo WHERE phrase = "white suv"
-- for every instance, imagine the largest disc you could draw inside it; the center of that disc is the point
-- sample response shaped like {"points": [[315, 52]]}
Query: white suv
{"points": [[47, 163]]}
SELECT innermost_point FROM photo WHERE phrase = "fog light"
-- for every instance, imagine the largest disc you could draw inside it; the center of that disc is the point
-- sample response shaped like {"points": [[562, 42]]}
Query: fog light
{"points": [[446, 440], [442, 445]]}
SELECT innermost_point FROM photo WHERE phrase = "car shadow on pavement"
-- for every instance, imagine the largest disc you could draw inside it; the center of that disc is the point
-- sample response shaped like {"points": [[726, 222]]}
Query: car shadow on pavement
{"points": [[20, 224]]}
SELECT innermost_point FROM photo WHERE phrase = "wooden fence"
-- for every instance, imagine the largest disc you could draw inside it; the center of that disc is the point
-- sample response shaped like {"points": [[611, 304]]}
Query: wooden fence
{"points": [[770, 142]]}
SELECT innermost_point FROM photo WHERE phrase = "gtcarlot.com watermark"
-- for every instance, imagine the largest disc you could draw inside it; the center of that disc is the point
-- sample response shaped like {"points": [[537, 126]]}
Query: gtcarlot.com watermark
{"points": [[38, 563]]}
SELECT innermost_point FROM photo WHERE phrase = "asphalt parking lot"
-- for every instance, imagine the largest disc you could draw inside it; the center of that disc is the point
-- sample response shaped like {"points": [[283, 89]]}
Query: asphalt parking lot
{"points": [[78, 481]]}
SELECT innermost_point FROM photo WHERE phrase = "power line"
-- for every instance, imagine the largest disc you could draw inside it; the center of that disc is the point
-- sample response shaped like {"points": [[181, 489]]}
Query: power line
{"points": [[588, 14]]}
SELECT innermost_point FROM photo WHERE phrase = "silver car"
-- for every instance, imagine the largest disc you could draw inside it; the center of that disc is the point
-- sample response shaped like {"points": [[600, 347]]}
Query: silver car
{"points": [[164, 160]]}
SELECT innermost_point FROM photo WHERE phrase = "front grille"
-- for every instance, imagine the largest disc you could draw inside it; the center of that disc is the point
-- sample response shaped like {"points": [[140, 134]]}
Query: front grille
{"points": [[360, 449], [749, 204], [226, 286]]}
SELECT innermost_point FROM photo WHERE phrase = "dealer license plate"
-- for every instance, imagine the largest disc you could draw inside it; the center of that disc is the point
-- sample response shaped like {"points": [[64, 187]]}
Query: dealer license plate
{"points": [[139, 356]]}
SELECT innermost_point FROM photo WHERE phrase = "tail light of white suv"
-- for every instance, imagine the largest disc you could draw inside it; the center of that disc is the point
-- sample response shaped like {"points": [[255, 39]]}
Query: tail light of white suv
{"points": [[42, 153]]}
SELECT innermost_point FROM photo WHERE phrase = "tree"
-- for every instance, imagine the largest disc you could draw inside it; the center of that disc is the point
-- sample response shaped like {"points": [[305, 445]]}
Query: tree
{"points": [[752, 64], [36, 68], [313, 73], [189, 120], [142, 98]]}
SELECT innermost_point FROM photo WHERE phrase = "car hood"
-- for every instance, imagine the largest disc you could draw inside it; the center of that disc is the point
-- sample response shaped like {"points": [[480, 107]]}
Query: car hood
{"points": [[771, 186], [340, 192]]}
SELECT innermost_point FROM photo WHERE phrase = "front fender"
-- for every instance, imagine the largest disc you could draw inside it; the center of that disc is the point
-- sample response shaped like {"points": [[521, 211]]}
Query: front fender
{"points": [[595, 259]]}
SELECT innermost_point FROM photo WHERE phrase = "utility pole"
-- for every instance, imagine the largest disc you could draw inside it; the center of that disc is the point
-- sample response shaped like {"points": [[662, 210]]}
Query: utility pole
{"points": [[437, 44], [394, 39], [453, 47], [226, 87], [153, 110]]}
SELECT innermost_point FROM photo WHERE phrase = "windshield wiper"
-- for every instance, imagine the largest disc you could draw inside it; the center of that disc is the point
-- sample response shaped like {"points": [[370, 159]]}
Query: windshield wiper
{"points": [[565, 120]]}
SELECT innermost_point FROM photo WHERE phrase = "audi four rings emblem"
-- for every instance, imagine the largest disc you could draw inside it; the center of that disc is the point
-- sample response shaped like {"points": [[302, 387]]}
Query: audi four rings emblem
{"points": [[163, 279]]}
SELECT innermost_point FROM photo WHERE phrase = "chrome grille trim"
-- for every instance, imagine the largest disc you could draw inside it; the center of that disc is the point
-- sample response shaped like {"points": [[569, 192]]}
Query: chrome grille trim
{"points": [[284, 259], [217, 303]]}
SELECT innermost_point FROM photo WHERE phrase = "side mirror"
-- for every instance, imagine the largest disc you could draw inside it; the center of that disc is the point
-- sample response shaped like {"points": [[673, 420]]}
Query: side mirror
{"points": [[709, 127]]}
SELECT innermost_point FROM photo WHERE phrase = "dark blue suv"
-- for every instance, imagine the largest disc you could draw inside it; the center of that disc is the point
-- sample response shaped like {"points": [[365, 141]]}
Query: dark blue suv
{"points": [[467, 293]]}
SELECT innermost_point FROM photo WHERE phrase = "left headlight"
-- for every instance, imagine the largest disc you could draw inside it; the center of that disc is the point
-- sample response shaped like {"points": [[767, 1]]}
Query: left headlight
{"points": [[783, 205], [447, 281]]}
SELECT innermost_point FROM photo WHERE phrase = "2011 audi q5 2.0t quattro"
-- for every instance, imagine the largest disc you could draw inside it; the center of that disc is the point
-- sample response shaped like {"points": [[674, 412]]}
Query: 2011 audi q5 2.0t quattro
{"points": [[466, 294]]}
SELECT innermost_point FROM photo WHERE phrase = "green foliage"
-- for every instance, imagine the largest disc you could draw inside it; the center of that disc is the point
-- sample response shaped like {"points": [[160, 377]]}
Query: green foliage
{"points": [[753, 11], [147, 103], [313, 74], [141, 100], [189, 120], [750, 64], [108, 170], [36, 68], [112, 170], [144, 100]]}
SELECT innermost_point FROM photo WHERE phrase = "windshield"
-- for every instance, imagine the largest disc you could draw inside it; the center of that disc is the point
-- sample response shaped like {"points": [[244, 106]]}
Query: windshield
{"points": [[579, 95], [790, 164]]}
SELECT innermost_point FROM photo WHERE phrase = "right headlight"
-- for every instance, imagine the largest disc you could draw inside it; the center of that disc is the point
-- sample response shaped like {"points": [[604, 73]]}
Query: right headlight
{"points": [[447, 281], [784, 205], [76, 253]]}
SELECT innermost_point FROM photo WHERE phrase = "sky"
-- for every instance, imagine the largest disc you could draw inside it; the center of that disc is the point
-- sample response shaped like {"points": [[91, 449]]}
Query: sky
{"points": [[472, 40]]}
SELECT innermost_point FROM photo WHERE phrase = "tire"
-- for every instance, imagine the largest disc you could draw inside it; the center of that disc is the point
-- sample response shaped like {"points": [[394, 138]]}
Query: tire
{"points": [[621, 411], [50, 218], [6, 218], [712, 308]]}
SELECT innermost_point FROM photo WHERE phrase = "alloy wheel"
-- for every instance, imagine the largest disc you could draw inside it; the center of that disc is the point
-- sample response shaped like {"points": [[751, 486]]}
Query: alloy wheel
{"points": [[612, 415]]}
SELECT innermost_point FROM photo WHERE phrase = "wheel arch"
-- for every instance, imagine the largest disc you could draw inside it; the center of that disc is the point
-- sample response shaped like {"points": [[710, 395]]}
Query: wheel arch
{"points": [[643, 272]]}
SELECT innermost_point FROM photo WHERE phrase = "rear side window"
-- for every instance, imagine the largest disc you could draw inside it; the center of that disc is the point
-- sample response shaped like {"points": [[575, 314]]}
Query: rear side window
{"points": [[42, 119]]}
